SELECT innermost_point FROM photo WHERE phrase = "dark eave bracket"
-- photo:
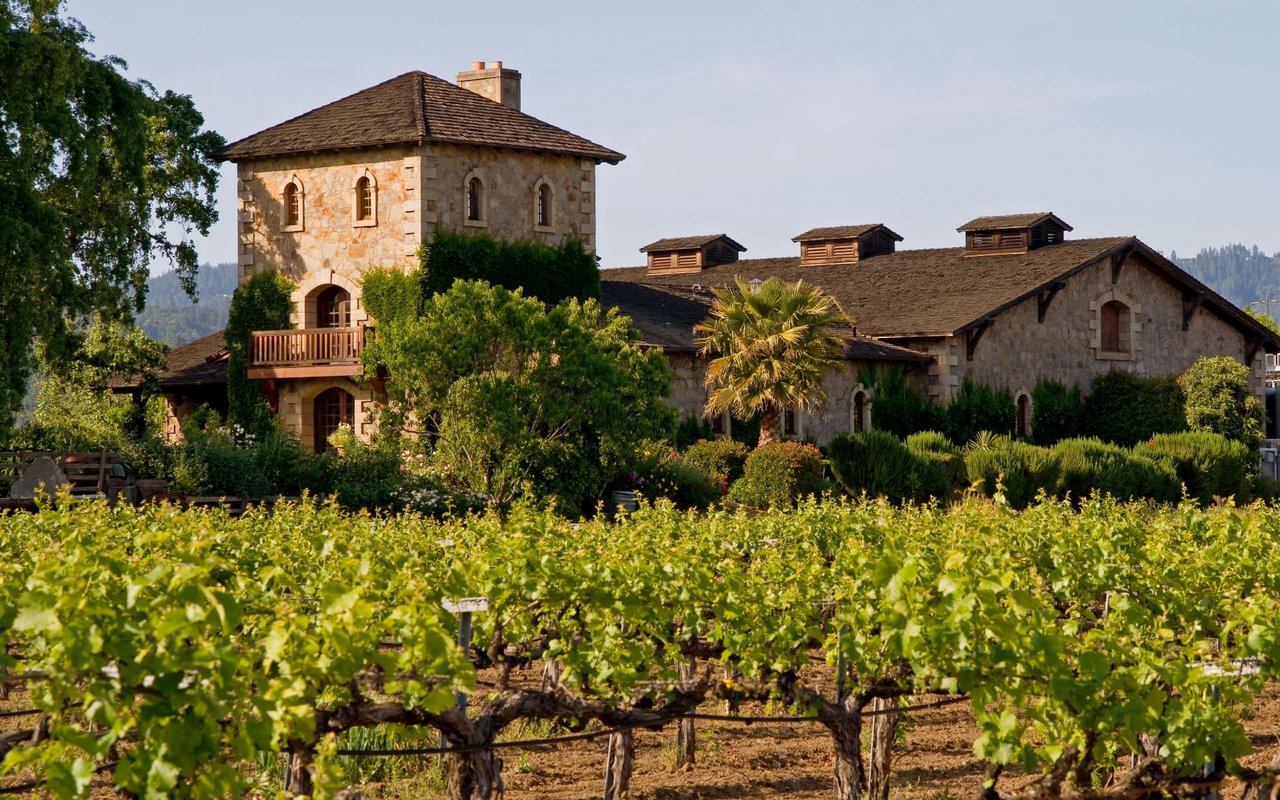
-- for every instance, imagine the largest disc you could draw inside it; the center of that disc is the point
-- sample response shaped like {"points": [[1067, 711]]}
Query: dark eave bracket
{"points": [[1251, 347], [973, 335], [1118, 262], [1191, 304], [1045, 298]]}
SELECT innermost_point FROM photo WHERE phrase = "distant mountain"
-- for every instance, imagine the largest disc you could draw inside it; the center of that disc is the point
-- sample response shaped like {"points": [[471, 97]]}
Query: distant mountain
{"points": [[1243, 275], [171, 316]]}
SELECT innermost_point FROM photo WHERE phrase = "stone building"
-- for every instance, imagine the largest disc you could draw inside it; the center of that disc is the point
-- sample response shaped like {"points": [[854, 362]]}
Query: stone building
{"points": [[363, 182], [1019, 302]]}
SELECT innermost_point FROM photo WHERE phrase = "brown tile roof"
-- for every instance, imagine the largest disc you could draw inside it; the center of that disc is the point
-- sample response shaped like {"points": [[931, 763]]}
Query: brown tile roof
{"points": [[1011, 221], [690, 243], [842, 232], [910, 292], [199, 363], [411, 109], [665, 317]]}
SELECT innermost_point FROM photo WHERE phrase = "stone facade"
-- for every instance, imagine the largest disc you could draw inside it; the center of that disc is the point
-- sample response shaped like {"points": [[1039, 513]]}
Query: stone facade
{"points": [[1017, 350], [689, 396]]}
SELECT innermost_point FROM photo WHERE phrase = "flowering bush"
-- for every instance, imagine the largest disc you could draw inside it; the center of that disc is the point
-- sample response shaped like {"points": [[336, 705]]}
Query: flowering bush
{"points": [[670, 476]]}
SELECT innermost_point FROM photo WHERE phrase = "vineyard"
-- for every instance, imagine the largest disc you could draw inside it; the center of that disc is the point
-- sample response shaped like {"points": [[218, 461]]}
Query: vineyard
{"points": [[1106, 651]]}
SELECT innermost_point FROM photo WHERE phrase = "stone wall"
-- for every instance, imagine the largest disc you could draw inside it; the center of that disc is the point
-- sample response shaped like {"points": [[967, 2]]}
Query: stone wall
{"points": [[297, 406], [510, 179], [1017, 350]]}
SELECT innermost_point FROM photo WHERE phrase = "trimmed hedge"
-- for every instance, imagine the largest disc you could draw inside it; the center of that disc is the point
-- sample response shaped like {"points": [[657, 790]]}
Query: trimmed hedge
{"points": [[939, 469], [1057, 412], [901, 410], [1023, 470], [779, 474], [1089, 466], [874, 463], [549, 273], [722, 458], [977, 408], [1209, 464], [1126, 409]]}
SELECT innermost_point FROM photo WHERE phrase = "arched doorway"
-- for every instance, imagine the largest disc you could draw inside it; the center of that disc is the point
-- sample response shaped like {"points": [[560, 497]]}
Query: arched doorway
{"points": [[333, 407], [333, 308]]}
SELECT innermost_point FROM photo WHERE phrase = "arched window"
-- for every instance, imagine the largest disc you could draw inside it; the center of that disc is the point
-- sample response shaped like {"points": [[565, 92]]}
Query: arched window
{"points": [[292, 205], [333, 308], [542, 215], [333, 407], [1024, 416], [860, 421], [364, 199], [475, 200], [1114, 325]]}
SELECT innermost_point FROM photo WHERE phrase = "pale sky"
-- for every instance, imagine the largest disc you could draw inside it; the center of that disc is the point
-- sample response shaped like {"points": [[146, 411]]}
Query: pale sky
{"points": [[1157, 118]]}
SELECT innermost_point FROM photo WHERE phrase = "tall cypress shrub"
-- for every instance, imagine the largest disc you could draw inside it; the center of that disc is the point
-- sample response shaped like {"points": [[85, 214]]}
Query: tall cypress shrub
{"points": [[264, 303]]}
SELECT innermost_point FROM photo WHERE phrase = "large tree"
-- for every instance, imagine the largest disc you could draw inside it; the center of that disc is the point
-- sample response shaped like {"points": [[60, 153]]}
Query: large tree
{"points": [[772, 344], [512, 395], [99, 175]]}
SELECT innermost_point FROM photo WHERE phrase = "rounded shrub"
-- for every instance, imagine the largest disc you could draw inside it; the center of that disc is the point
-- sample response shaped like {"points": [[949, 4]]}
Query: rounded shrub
{"points": [[874, 463], [723, 458], [1022, 470], [1209, 464], [779, 474], [1089, 466], [1219, 399], [939, 470]]}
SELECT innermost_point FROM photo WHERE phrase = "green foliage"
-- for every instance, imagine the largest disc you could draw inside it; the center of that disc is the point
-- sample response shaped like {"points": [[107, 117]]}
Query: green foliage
{"points": [[1208, 464], [998, 465], [668, 475], [1125, 409], [723, 458], [1056, 412], [1219, 400], [976, 408], [391, 294], [901, 410], [939, 469], [99, 175], [1265, 319], [692, 429], [874, 463], [745, 430], [263, 303], [1088, 466], [514, 396], [549, 273], [771, 347], [779, 474]]}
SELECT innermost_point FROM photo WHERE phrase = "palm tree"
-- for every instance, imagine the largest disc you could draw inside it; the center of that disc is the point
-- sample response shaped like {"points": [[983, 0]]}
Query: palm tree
{"points": [[772, 344]]}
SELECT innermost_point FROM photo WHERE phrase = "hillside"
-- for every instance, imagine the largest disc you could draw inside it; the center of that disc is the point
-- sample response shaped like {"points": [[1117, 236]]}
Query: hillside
{"points": [[171, 316], [1241, 274]]}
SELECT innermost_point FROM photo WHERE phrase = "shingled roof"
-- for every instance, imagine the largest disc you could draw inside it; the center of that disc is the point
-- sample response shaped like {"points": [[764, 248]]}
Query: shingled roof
{"points": [[665, 316], [940, 292], [1011, 221], [690, 243], [199, 363], [414, 108], [842, 232]]}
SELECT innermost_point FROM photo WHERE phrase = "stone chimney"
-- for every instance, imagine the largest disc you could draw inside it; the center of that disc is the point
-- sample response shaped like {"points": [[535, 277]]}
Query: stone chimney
{"points": [[493, 81]]}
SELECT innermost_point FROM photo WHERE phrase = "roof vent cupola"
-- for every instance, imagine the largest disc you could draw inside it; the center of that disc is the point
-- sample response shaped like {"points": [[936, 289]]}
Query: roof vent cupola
{"points": [[1012, 233], [845, 244], [691, 253], [499, 84]]}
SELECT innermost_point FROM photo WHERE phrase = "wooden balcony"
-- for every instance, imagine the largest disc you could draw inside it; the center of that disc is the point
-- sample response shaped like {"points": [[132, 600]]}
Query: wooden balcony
{"points": [[311, 353]]}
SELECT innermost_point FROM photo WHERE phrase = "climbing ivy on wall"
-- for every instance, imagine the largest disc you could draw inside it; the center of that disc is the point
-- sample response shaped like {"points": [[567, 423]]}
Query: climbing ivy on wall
{"points": [[264, 303], [550, 273]]}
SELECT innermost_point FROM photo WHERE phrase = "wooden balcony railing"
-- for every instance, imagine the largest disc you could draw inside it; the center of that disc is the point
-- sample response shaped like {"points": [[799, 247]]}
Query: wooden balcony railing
{"points": [[274, 351]]}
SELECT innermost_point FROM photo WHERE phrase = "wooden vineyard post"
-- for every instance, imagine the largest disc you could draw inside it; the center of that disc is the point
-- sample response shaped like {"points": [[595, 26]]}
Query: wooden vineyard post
{"points": [[617, 764], [884, 725], [297, 773], [475, 773], [686, 745]]}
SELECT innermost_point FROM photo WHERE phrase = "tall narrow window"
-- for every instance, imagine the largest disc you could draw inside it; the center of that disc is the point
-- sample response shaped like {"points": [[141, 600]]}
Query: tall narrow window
{"points": [[543, 216], [292, 205], [1114, 324], [860, 411], [790, 423], [333, 407], [364, 200], [475, 200], [333, 308], [1024, 416]]}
